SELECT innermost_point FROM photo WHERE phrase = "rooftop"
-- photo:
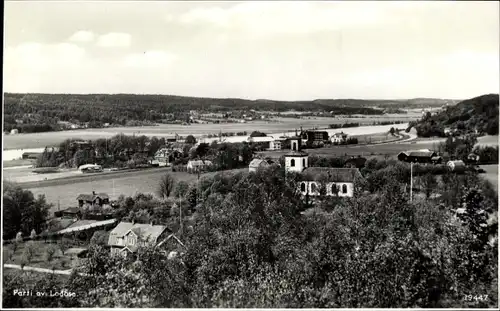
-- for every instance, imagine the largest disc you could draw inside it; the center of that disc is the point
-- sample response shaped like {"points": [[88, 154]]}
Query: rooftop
{"points": [[331, 174]]}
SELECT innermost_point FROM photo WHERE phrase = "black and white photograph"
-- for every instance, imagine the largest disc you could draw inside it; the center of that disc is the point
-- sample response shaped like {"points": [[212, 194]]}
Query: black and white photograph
{"points": [[250, 154]]}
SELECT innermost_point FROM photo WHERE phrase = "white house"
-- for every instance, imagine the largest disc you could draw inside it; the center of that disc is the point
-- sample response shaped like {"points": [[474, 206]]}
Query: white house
{"points": [[320, 180], [127, 237], [161, 157], [257, 164], [338, 138], [198, 164], [14, 131]]}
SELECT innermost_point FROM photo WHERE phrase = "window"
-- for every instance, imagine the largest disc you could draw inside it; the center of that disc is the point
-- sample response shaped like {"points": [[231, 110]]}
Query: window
{"points": [[292, 162], [304, 162], [314, 188], [303, 187], [130, 240], [334, 189], [344, 188]]}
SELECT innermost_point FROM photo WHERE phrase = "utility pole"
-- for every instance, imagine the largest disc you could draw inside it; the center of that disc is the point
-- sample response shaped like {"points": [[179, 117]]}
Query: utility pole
{"points": [[411, 181], [180, 212]]}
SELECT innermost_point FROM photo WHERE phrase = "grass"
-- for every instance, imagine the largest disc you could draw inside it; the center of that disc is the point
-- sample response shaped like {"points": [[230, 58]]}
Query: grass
{"points": [[13, 163], [129, 183], [38, 259]]}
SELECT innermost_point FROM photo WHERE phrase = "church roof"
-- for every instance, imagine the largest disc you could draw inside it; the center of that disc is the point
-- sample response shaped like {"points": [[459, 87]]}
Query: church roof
{"points": [[331, 174]]}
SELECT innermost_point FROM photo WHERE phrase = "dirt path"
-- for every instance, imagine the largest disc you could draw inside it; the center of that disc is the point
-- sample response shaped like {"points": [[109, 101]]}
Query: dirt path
{"points": [[36, 269]]}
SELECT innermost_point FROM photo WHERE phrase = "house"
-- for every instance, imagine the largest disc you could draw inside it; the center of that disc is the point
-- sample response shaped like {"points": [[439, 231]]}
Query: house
{"points": [[280, 142], [128, 237], [320, 180], [456, 166], [265, 141], [161, 157], [195, 165], [257, 164], [94, 198], [69, 213], [314, 136], [473, 158], [418, 156], [14, 131], [338, 138]]}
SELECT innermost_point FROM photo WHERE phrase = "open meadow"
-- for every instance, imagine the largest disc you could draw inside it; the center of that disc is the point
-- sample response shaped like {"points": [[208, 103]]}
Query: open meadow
{"points": [[277, 125], [64, 192]]}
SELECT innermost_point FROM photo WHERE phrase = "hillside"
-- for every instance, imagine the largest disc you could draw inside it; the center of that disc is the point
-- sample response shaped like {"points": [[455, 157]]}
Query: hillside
{"points": [[478, 113], [44, 112]]}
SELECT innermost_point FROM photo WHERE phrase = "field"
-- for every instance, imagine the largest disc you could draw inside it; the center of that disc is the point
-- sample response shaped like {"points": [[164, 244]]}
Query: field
{"points": [[59, 261], [65, 191], [390, 149], [277, 125]]}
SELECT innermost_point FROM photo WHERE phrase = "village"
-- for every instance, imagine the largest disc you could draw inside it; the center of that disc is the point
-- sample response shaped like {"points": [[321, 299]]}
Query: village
{"points": [[93, 213]]}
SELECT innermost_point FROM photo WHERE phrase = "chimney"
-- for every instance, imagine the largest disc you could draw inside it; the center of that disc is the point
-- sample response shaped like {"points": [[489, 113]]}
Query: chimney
{"points": [[93, 192]]}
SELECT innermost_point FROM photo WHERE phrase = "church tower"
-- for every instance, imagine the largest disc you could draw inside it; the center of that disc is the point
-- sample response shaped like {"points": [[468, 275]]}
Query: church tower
{"points": [[296, 160]]}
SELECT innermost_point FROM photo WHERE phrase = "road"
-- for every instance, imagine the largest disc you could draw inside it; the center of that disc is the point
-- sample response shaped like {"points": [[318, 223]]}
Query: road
{"points": [[42, 270]]}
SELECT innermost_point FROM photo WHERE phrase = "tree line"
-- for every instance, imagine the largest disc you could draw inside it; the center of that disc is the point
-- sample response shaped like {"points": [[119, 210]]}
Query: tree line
{"points": [[41, 112]]}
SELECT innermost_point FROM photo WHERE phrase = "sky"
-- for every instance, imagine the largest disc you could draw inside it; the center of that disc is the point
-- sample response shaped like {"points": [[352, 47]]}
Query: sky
{"points": [[256, 50]]}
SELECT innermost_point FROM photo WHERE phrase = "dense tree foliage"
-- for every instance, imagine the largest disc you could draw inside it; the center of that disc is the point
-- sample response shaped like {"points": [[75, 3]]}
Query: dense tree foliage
{"points": [[254, 242], [22, 212], [479, 113]]}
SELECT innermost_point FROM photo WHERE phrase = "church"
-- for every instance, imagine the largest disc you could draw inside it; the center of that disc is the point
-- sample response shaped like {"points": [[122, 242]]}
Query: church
{"points": [[317, 181]]}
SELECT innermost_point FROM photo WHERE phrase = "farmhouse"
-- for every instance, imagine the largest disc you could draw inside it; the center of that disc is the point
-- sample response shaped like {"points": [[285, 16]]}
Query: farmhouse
{"points": [[267, 142], [161, 157], [473, 158], [418, 156], [127, 237], [338, 138], [198, 165], [257, 164], [314, 136], [94, 198], [320, 180]]}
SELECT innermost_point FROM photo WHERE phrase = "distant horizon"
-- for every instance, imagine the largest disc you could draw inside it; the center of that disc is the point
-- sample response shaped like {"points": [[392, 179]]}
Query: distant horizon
{"points": [[285, 50], [249, 99]]}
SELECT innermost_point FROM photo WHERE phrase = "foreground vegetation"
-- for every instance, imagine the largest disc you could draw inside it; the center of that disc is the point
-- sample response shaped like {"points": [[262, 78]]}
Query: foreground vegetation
{"points": [[252, 241]]}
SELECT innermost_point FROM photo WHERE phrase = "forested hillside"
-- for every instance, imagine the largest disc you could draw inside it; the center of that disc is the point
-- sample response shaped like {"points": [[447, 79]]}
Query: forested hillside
{"points": [[41, 112], [478, 113]]}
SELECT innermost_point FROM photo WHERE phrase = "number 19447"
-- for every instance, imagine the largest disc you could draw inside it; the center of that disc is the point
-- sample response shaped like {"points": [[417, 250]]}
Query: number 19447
{"points": [[475, 297]]}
